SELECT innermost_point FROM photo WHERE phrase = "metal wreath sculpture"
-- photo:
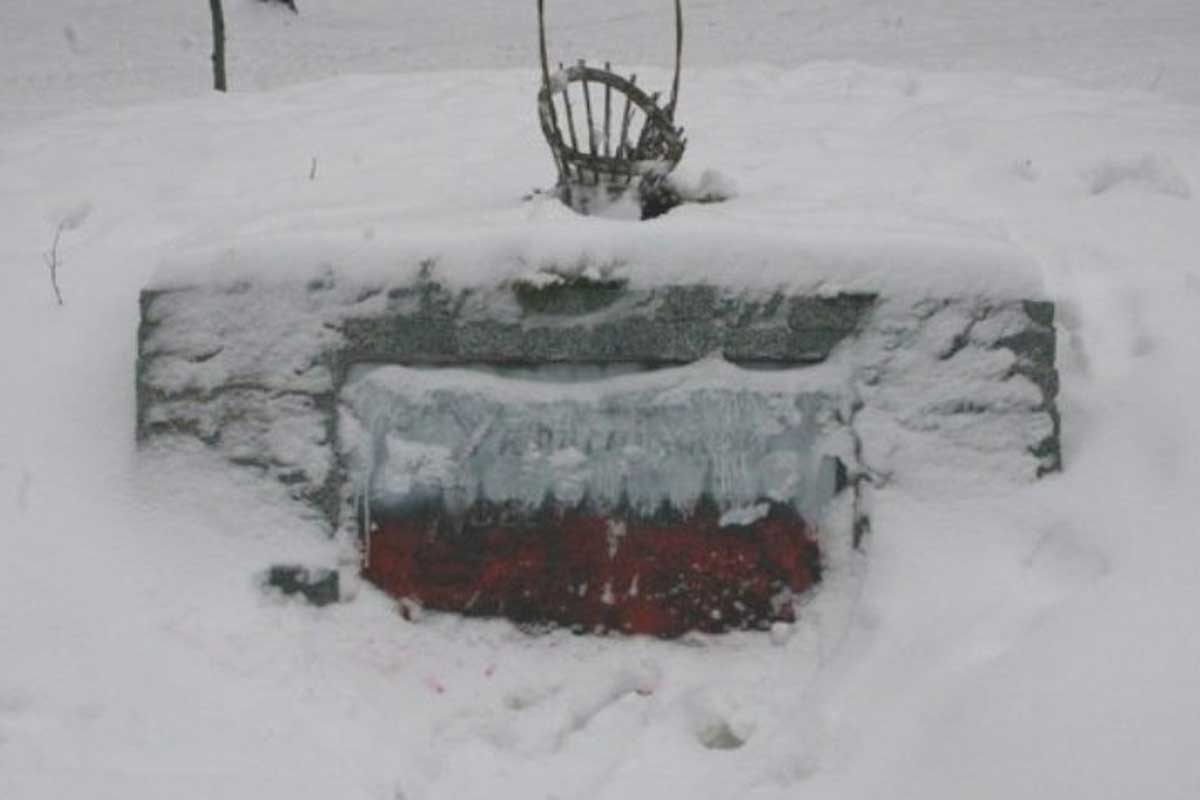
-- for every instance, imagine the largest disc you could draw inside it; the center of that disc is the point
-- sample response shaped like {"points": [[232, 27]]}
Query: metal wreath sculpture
{"points": [[644, 150]]}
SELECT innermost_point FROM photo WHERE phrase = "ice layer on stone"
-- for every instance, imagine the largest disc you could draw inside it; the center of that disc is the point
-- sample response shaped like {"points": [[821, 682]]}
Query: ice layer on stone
{"points": [[673, 435]]}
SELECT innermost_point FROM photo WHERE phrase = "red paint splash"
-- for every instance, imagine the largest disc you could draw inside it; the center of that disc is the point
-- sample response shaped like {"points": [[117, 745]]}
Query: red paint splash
{"points": [[662, 575]]}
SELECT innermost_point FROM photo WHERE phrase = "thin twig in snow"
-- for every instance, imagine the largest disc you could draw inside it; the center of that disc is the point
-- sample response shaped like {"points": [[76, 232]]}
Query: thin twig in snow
{"points": [[52, 262], [1157, 77]]}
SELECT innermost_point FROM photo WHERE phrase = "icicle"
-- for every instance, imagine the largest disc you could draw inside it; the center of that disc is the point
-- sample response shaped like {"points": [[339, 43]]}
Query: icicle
{"points": [[376, 447]]}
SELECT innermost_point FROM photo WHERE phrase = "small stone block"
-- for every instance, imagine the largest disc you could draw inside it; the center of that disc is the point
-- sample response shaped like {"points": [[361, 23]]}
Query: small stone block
{"points": [[318, 585]]}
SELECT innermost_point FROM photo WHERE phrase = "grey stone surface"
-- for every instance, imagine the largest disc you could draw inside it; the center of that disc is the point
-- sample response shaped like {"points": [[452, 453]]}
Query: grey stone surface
{"points": [[428, 324]]}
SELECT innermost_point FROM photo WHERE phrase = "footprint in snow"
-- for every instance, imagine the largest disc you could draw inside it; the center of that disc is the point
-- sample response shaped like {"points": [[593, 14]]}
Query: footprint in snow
{"points": [[13, 705], [1154, 173], [717, 721], [529, 696]]}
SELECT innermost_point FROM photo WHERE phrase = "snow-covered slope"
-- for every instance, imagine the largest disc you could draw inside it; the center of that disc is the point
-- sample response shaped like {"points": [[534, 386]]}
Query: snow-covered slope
{"points": [[1037, 641], [70, 54]]}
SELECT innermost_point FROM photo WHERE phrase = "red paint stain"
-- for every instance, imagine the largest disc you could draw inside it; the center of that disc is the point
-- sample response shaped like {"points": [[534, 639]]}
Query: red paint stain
{"points": [[662, 575]]}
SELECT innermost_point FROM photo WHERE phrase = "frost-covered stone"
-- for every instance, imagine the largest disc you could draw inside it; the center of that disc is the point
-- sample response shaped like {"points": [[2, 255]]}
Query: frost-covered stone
{"points": [[955, 388]]}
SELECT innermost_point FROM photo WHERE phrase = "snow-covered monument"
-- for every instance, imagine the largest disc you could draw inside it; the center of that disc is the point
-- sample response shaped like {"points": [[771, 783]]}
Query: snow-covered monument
{"points": [[643, 427]]}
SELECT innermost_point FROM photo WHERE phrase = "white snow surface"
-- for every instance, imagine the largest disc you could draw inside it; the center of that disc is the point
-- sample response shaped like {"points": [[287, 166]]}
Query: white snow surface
{"points": [[831, 252], [1032, 640]]}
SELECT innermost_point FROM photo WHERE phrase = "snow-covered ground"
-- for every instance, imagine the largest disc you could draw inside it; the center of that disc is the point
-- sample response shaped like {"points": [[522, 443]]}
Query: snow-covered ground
{"points": [[1036, 641], [61, 55]]}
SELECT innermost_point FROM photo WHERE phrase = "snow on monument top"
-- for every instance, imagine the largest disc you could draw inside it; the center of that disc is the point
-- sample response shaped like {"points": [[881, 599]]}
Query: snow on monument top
{"points": [[832, 196], [695, 245]]}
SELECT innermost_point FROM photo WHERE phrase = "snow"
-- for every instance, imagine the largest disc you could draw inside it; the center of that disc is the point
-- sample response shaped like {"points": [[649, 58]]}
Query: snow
{"points": [[745, 515], [830, 254], [86, 53], [1005, 639]]}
